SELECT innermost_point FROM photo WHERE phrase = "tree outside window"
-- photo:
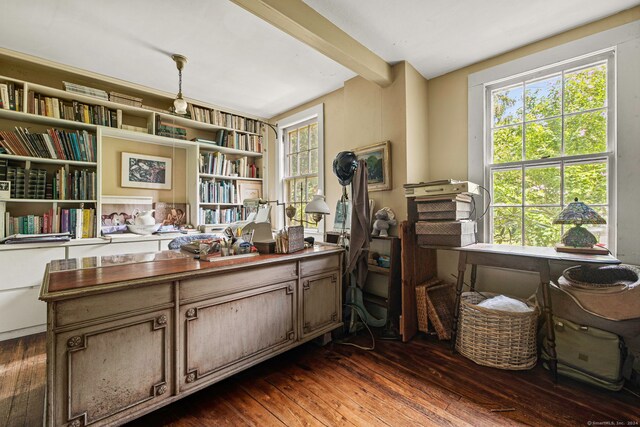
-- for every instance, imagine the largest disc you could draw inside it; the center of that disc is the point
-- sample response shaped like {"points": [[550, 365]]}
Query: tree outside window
{"points": [[548, 144]]}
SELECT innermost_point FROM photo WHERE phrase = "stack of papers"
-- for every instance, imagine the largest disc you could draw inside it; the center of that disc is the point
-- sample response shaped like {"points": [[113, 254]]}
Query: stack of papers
{"points": [[36, 238]]}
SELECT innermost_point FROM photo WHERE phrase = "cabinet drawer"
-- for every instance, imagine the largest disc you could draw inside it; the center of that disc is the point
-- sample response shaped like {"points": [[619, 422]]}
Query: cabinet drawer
{"points": [[104, 305], [223, 335], [219, 284], [117, 248], [25, 267], [21, 309], [319, 265], [108, 370]]}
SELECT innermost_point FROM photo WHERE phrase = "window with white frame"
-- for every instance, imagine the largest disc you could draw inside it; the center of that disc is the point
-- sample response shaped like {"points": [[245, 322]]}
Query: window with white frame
{"points": [[301, 163], [549, 140]]}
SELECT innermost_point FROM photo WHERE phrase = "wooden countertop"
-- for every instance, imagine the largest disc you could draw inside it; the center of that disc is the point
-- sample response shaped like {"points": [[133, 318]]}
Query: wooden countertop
{"points": [[89, 276]]}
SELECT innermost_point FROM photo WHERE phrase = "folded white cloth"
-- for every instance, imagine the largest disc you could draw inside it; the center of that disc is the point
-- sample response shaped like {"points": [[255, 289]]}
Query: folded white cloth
{"points": [[505, 303]]}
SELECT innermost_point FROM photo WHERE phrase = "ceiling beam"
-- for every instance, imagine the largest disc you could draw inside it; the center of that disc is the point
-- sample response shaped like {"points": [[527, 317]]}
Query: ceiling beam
{"points": [[305, 24]]}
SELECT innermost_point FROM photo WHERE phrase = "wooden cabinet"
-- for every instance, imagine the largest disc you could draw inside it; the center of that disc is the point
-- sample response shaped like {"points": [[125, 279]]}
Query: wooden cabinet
{"points": [[224, 334], [320, 303], [112, 368], [126, 342]]}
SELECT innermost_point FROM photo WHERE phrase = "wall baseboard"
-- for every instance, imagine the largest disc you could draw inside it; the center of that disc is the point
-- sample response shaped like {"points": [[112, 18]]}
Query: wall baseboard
{"points": [[22, 332]]}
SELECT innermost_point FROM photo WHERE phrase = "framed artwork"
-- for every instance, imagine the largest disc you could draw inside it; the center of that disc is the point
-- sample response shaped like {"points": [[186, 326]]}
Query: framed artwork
{"points": [[378, 158], [342, 219], [175, 214], [249, 190], [142, 171]]}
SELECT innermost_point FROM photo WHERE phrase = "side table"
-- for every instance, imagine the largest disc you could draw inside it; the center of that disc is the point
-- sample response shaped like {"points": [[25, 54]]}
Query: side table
{"points": [[526, 258]]}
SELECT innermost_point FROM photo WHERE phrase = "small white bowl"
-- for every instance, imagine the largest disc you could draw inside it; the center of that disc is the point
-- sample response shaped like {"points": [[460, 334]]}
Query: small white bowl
{"points": [[144, 230]]}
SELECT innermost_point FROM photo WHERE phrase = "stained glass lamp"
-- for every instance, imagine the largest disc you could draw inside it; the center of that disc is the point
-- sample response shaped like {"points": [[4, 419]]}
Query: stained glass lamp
{"points": [[578, 213]]}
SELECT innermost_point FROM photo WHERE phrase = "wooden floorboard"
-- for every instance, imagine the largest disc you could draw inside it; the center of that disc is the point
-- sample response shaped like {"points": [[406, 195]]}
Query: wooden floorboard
{"points": [[417, 383]]}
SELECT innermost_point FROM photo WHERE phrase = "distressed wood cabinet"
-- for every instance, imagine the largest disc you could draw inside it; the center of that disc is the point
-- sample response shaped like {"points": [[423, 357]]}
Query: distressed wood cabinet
{"points": [[123, 340]]}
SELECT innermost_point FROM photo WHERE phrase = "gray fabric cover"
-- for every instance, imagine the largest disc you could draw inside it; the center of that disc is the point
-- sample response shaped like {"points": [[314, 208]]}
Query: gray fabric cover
{"points": [[360, 219]]}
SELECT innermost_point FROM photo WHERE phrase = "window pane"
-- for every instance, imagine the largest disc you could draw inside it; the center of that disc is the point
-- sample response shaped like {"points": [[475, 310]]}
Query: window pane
{"points": [[543, 98], [300, 189], [601, 231], [507, 226], [312, 188], [304, 138], [290, 185], [585, 89], [293, 141], [314, 161], [539, 229], [587, 182], [507, 187], [507, 106], [542, 185], [313, 135], [585, 133], [507, 144], [303, 160], [543, 139], [293, 166]]}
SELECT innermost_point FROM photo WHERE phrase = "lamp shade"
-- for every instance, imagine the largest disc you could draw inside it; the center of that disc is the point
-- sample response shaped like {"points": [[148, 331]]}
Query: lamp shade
{"points": [[317, 206], [579, 213]]}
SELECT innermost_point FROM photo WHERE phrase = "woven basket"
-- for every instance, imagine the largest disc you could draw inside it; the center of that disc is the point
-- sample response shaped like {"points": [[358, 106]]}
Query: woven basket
{"points": [[421, 303], [500, 339]]}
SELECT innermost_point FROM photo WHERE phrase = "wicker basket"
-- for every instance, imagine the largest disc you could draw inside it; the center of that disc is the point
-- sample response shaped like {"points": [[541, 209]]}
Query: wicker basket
{"points": [[500, 339], [421, 303]]}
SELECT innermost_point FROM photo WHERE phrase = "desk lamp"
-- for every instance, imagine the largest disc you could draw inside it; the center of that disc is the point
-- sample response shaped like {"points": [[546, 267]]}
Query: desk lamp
{"points": [[578, 213]]}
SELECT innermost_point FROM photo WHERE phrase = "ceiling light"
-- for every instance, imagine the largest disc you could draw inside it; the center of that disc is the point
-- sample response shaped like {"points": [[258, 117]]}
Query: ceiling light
{"points": [[179, 104]]}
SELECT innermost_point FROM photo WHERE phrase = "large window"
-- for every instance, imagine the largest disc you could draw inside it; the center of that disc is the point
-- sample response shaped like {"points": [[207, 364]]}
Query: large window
{"points": [[300, 171], [549, 141]]}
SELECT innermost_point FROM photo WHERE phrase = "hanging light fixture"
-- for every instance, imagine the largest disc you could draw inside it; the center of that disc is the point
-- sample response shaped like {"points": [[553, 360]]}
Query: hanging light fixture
{"points": [[179, 104]]}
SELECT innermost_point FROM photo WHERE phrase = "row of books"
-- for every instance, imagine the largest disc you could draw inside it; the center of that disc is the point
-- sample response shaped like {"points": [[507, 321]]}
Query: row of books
{"points": [[43, 105], [238, 141], [81, 223], [74, 185], [85, 90], [217, 192], [220, 118], [11, 97], [218, 216], [54, 144], [216, 163], [170, 130], [125, 99]]}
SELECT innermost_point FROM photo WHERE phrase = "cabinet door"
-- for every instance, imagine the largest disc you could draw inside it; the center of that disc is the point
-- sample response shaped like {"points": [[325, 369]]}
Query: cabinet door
{"points": [[109, 370], [321, 296], [222, 335]]}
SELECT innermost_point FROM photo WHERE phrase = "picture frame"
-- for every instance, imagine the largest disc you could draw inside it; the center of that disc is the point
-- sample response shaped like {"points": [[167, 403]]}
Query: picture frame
{"points": [[249, 190], [176, 214], [144, 171], [342, 218], [378, 158]]}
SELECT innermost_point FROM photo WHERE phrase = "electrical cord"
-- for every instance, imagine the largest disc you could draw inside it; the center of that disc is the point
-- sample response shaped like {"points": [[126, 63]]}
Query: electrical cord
{"points": [[486, 209], [364, 322]]}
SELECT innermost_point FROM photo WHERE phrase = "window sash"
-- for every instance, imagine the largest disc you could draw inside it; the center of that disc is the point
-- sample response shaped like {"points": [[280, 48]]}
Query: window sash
{"points": [[607, 156]]}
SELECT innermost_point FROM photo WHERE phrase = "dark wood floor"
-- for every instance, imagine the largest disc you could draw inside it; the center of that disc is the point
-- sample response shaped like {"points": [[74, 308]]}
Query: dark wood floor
{"points": [[413, 384]]}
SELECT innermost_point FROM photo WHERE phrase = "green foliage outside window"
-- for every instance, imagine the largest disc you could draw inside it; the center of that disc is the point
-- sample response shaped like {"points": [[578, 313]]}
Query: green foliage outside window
{"points": [[564, 114]]}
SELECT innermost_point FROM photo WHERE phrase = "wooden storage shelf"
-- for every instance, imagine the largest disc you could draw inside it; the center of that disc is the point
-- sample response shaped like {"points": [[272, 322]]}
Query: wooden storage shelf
{"points": [[47, 160], [48, 201], [241, 178], [226, 150], [220, 204]]}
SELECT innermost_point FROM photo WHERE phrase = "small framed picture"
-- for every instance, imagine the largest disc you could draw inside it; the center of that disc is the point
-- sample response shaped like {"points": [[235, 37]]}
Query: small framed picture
{"points": [[5, 190], [142, 171], [378, 158], [249, 190]]}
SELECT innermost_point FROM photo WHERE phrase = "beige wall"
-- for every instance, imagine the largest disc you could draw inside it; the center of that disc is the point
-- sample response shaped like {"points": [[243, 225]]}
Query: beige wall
{"points": [[447, 134], [112, 149], [417, 127], [361, 113]]}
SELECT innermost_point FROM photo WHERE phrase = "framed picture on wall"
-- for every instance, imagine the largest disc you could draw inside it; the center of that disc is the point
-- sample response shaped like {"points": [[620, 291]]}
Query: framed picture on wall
{"points": [[378, 158], [143, 171]]}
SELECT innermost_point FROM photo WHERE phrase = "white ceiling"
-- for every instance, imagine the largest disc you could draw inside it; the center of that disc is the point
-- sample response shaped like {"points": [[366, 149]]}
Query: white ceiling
{"points": [[240, 62]]}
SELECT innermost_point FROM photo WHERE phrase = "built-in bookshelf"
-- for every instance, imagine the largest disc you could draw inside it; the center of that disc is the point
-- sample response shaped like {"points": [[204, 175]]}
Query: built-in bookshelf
{"points": [[50, 151]]}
